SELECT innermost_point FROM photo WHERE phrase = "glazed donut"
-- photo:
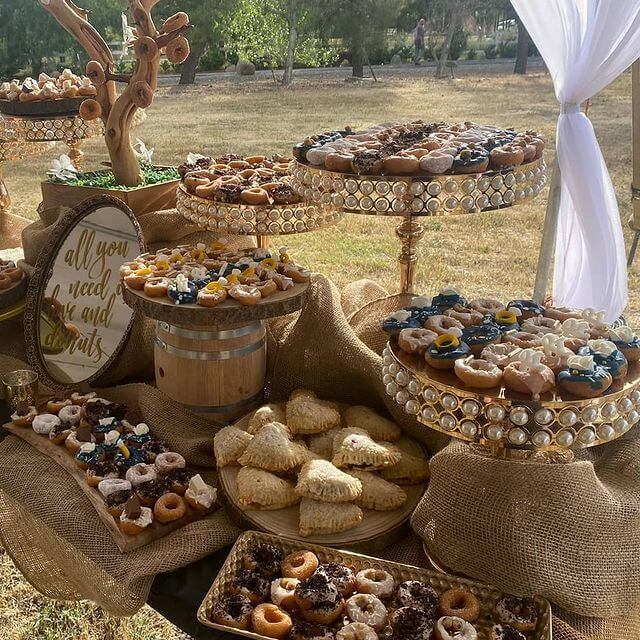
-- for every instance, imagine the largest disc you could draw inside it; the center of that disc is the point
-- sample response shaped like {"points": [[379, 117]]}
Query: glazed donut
{"points": [[340, 575], [340, 162], [356, 631], [501, 354], [233, 611], [366, 608], [266, 288], [467, 317], [300, 565], [460, 603], [169, 461], [452, 628], [70, 414], [416, 340], [169, 507], [528, 375], [416, 594], [245, 294], [477, 373], [401, 165], [562, 313], [444, 324], [436, 162], [375, 581], [211, 295], [44, 423], [265, 557], [522, 339], [269, 620], [541, 325], [136, 279], [254, 196], [282, 591], [486, 306], [506, 156], [519, 613], [140, 474], [156, 287]]}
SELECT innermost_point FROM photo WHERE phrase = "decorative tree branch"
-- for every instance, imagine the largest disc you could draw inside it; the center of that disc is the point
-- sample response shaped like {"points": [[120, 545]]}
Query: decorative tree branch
{"points": [[117, 112]]}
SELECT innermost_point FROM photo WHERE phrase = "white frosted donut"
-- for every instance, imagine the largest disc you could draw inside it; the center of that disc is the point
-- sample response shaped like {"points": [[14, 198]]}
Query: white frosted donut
{"points": [[70, 414], [282, 591], [452, 628], [111, 485], [356, 631], [141, 473], [44, 423], [366, 608], [376, 582]]}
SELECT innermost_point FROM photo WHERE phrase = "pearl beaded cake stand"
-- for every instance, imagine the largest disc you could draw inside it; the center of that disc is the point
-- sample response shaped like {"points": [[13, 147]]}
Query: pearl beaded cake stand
{"points": [[508, 424], [412, 197], [261, 221]]}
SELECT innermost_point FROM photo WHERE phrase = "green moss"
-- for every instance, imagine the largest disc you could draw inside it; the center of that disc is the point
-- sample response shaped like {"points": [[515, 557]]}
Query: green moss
{"points": [[106, 180]]}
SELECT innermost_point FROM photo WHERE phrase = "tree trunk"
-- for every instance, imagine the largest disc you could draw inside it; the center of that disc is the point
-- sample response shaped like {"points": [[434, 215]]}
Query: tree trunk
{"points": [[357, 62], [190, 66], [292, 14], [522, 54], [441, 71]]}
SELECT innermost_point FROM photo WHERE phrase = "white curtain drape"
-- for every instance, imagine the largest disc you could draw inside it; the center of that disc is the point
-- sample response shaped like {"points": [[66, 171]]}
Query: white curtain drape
{"points": [[585, 44]]}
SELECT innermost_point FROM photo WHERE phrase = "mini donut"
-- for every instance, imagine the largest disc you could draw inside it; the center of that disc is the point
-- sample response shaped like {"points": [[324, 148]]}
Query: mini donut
{"points": [[169, 461], [375, 581], [413, 593], [522, 339], [269, 620], [453, 628], [445, 350], [24, 415], [532, 382], [55, 404], [113, 485], [255, 196], [541, 325], [562, 313], [300, 565], [341, 576], [356, 631], [466, 316], [281, 168], [247, 174], [99, 471], [410, 622], [169, 507], [528, 308], [436, 162], [401, 165], [245, 294], [317, 591], [211, 295], [303, 630], [444, 324], [506, 156], [416, 340], [460, 603], [519, 613], [60, 433], [501, 354], [265, 557], [255, 159], [233, 611], [486, 306], [340, 162], [481, 335], [266, 288], [477, 373], [504, 632], [81, 398], [367, 162], [366, 608], [43, 424], [156, 287], [282, 590], [140, 474], [238, 164]]}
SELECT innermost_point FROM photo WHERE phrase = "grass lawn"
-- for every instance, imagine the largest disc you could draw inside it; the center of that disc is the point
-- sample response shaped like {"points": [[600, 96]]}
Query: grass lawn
{"points": [[490, 253]]}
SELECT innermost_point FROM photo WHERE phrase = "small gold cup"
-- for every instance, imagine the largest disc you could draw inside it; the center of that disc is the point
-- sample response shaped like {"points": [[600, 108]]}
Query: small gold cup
{"points": [[20, 386]]}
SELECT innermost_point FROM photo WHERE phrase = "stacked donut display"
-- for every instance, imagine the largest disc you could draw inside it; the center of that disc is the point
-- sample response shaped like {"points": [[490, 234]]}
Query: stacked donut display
{"points": [[56, 87], [209, 275], [140, 481], [518, 373], [420, 148], [301, 594]]}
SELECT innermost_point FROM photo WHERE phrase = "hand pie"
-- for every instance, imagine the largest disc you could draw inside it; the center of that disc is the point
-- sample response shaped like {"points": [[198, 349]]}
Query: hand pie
{"points": [[322, 443], [356, 448], [272, 450], [410, 470], [229, 444], [265, 415], [320, 480], [378, 494], [321, 518], [259, 489], [308, 415], [375, 425]]}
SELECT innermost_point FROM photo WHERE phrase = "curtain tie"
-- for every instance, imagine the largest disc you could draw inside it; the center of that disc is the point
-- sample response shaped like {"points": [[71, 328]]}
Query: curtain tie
{"points": [[570, 107]]}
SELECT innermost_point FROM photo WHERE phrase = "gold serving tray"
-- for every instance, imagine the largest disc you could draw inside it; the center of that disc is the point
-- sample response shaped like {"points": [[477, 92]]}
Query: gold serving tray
{"points": [[487, 595]]}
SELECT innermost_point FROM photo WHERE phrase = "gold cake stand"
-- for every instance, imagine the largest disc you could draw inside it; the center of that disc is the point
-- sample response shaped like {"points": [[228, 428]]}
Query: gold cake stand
{"points": [[412, 197], [508, 424]]}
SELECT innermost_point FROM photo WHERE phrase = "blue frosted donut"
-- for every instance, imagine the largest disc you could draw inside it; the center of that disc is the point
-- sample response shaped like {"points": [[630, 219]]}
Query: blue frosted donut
{"points": [[136, 456], [585, 384], [471, 161], [447, 300], [183, 297], [422, 313], [529, 308], [479, 336], [87, 458], [445, 350], [615, 363], [393, 326], [506, 321]]}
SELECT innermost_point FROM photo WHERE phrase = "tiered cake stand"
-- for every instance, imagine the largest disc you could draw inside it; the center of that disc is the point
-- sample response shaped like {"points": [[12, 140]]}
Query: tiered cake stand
{"points": [[213, 360], [412, 197], [508, 424], [261, 221]]}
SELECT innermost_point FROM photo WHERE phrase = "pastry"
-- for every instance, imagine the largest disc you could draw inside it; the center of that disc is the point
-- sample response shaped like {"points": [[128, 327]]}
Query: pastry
{"points": [[322, 443], [322, 518], [460, 603], [229, 444], [452, 628], [377, 493], [375, 425], [375, 581], [265, 415], [353, 447], [366, 608], [410, 470], [282, 592], [265, 558], [300, 565], [199, 495], [272, 450], [233, 611], [519, 613], [307, 414], [271, 621], [260, 489], [321, 480]]}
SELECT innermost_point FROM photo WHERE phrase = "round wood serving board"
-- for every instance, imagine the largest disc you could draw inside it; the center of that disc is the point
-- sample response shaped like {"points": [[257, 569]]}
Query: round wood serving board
{"points": [[377, 529], [226, 313]]}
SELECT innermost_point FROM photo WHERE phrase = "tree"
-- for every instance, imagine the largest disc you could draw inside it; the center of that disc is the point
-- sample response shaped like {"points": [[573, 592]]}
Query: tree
{"points": [[522, 50]]}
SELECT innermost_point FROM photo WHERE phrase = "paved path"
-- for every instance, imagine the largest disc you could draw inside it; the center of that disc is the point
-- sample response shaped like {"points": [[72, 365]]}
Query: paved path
{"points": [[464, 67]]}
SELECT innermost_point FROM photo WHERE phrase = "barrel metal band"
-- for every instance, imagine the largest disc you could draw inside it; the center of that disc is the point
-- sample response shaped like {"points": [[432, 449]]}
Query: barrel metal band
{"points": [[212, 355], [226, 334], [226, 408]]}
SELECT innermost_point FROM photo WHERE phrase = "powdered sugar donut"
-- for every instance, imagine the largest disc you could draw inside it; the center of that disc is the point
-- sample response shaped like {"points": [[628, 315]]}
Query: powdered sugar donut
{"points": [[416, 340], [44, 423], [436, 162], [70, 414]]}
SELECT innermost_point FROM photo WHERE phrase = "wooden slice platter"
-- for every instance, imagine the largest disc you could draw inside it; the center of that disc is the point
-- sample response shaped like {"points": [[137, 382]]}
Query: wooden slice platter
{"points": [[377, 529], [59, 454], [42, 108], [226, 313]]}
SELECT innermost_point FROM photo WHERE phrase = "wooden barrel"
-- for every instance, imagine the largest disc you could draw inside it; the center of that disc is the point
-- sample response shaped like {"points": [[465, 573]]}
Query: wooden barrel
{"points": [[216, 371]]}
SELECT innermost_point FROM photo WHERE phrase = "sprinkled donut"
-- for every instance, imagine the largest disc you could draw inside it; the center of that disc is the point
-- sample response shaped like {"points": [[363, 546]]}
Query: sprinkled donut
{"points": [[519, 613], [341, 576], [409, 622], [414, 593], [233, 611], [265, 557]]}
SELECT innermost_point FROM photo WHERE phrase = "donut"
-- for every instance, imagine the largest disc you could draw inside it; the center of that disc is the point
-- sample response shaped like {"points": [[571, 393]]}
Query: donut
{"points": [[101, 470], [366, 608], [136, 279], [486, 306], [528, 308], [319, 600], [541, 325], [444, 325], [409, 622], [445, 350], [519, 613], [471, 161], [55, 404], [169, 507], [60, 433], [156, 287], [211, 295], [282, 590], [436, 162], [375, 581], [255, 196], [81, 398], [416, 340], [340, 575], [583, 378], [507, 155], [42, 424], [340, 162], [467, 317], [522, 339], [452, 628], [607, 355], [562, 313], [24, 415], [460, 603], [504, 632], [233, 611], [245, 294], [477, 373], [269, 620], [479, 336], [501, 354], [356, 631], [506, 320], [116, 501], [169, 461], [416, 594], [300, 565], [178, 481], [141, 473], [447, 299], [251, 584], [70, 414], [399, 320], [529, 375], [368, 161], [400, 165], [266, 288], [265, 557], [303, 630]]}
